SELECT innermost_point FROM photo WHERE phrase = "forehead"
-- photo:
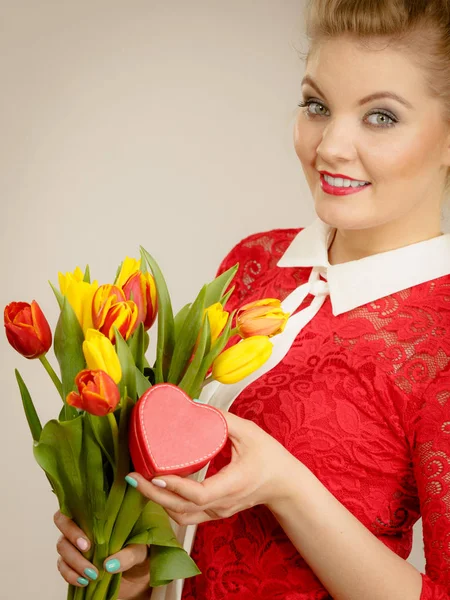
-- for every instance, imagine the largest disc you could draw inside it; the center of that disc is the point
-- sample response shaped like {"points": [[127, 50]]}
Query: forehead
{"points": [[345, 65]]}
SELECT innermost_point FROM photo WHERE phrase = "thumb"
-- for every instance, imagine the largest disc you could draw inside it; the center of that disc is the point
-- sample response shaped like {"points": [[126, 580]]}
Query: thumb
{"points": [[236, 425], [127, 558]]}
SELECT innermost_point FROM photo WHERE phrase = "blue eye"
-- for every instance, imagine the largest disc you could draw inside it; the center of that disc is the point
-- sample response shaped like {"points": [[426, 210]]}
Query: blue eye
{"points": [[385, 116]]}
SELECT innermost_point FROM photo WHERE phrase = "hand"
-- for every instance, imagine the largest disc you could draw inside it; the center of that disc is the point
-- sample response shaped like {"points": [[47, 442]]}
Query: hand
{"points": [[133, 560], [260, 472]]}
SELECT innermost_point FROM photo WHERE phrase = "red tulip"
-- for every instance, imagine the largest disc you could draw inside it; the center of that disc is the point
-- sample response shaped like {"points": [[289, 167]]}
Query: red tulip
{"points": [[140, 287], [27, 329], [98, 393]]}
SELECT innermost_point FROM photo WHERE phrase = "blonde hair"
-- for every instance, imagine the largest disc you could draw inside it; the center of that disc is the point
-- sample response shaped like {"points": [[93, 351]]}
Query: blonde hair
{"points": [[419, 27]]}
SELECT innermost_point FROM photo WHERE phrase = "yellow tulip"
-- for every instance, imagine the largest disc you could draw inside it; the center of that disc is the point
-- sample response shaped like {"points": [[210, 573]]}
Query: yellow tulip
{"points": [[217, 320], [263, 317], [128, 268], [242, 359], [65, 280], [100, 354], [79, 294]]}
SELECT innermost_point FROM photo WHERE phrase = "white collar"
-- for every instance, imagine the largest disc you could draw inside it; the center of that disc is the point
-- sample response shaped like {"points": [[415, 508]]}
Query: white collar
{"points": [[359, 282]]}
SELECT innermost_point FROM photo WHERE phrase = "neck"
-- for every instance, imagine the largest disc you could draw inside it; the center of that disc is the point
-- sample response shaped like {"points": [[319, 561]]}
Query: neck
{"points": [[355, 244]]}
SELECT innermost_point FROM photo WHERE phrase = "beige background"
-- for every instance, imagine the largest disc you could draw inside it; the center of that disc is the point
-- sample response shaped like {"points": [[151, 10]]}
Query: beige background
{"points": [[167, 124]]}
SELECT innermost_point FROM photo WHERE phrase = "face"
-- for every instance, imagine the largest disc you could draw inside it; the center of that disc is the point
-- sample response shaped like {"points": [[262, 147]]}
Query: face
{"points": [[399, 146]]}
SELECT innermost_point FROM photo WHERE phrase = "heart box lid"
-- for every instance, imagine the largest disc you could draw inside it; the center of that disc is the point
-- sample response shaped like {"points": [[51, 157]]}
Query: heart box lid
{"points": [[170, 434]]}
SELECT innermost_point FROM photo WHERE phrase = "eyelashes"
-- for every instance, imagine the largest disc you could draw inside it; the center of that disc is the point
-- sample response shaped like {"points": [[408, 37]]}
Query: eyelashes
{"points": [[384, 113]]}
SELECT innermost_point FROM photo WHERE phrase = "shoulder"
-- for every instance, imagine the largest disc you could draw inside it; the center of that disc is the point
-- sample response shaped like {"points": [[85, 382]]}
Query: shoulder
{"points": [[259, 250], [257, 256]]}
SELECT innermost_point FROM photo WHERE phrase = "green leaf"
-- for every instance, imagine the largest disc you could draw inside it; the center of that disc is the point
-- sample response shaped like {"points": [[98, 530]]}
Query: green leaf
{"points": [[59, 453], [104, 437], [169, 563], [166, 327], [187, 338], [137, 346], [217, 287], [68, 346], [189, 378], [58, 295], [226, 297], [92, 470], [142, 383], [143, 267], [210, 357], [30, 411], [119, 268], [87, 275], [180, 317], [128, 380]]}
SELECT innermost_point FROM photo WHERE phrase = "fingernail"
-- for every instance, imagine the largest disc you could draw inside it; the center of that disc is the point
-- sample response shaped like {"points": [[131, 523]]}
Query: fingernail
{"points": [[131, 481], [159, 483], [199, 401], [82, 544], [112, 565], [90, 573], [82, 581]]}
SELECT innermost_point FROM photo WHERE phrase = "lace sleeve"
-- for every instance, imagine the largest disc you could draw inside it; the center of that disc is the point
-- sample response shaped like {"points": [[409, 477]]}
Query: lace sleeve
{"points": [[256, 254], [432, 469]]}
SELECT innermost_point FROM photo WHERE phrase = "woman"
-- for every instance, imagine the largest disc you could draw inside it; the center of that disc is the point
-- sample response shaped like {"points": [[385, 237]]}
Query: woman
{"points": [[344, 442]]}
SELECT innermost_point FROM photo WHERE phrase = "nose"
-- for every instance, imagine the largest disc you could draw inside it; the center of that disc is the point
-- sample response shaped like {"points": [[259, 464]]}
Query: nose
{"points": [[337, 144]]}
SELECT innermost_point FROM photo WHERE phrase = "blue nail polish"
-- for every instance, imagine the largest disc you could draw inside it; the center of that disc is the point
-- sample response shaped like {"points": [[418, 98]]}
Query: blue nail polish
{"points": [[199, 401], [90, 573], [131, 481], [82, 581], [112, 565]]}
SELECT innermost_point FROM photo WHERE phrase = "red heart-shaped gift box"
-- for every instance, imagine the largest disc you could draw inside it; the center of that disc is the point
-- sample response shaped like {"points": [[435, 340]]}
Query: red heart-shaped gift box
{"points": [[171, 434]]}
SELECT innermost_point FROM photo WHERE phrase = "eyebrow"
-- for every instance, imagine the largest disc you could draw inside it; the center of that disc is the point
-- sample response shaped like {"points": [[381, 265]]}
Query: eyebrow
{"points": [[375, 96]]}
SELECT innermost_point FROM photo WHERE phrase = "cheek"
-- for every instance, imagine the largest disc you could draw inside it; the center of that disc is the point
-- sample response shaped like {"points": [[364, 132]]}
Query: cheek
{"points": [[402, 158], [306, 140]]}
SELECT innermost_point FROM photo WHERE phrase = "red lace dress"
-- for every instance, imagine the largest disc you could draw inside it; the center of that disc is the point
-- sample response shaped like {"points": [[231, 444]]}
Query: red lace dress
{"points": [[362, 399]]}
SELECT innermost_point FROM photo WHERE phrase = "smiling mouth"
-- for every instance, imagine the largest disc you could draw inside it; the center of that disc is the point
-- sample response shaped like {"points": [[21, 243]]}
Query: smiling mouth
{"points": [[339, 186]]}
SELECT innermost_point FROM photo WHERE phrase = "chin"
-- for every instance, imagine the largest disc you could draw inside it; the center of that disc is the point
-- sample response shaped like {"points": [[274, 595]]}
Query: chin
{"points": [[342, 213]]}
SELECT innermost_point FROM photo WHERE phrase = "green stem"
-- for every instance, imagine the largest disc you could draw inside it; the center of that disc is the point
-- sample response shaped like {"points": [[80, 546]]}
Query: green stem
{"points": [[207, 380], [234, 332], [53, 376]]}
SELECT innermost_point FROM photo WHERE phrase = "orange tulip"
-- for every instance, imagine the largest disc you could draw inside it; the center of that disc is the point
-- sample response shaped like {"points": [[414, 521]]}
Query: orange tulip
{"points": [[141, 288], [123, 316], [104, 298], [97, 394], [263, 317], [27, 329]]}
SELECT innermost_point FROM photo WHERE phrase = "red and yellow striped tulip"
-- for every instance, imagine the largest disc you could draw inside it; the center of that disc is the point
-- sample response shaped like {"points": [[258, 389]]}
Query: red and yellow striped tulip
{"points": [[97, 394], [123, 316], [104, 298], [243, 358], [27, 329], [263, 317], [141, 288], [127, 269]]}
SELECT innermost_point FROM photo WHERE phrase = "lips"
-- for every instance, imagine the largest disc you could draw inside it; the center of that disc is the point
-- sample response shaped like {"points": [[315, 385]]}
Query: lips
{"points": [[341, 191]]}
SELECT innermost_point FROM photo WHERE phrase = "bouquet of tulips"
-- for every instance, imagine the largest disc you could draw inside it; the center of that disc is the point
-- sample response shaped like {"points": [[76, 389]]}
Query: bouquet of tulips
{"points": [[100, 342]]}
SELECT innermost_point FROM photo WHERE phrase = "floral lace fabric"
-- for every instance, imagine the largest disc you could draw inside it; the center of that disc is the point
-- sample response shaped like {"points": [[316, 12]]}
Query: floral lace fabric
{"points": [[363, 400]]}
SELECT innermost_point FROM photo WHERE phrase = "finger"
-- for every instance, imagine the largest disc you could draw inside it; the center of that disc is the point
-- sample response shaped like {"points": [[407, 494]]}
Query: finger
{"points": [[71, 531], [236, 425], [70, 575], [227, 482], [75, 560], [194, 518], [166, 498], [129, 557]]}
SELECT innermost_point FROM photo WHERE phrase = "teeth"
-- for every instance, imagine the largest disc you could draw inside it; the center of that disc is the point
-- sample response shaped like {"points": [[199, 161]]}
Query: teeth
{"points": [[340, 182]]}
